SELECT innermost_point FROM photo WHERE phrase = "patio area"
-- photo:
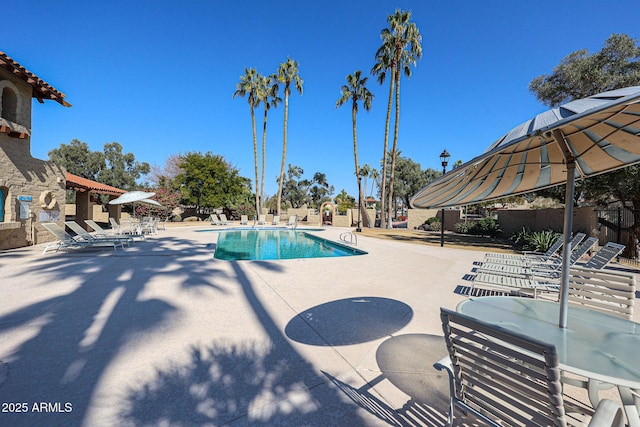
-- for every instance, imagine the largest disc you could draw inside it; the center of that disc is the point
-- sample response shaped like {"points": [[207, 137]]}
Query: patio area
{"points": [[162, 333]]}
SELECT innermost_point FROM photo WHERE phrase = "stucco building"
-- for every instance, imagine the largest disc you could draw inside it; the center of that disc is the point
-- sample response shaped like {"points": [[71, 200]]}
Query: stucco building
{"points": [[31, 190]]}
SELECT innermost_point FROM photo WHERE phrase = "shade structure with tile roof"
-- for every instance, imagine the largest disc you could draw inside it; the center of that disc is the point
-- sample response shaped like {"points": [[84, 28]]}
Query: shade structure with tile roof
{"points": [[580, 139], [78, 183]]}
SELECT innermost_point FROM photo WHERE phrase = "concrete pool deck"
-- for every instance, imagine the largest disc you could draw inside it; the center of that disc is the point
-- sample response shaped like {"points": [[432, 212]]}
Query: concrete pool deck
{"points": [[164, 334]]}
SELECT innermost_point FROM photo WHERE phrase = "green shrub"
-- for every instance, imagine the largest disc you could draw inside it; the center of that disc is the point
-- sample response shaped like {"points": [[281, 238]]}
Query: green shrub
{"points": [[435, 226], [464, 227], [432, 220], [176, 218], [486, 227], [521, 236]]}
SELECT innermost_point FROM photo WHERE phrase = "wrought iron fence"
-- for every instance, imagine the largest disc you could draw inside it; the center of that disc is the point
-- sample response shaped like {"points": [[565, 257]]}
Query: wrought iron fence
{"points": [[616, 225]]}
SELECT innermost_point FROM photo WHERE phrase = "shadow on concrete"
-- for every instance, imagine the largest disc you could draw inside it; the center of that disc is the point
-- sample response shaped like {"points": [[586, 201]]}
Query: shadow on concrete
{"points": [[406, 361], [349, 321], [252, 383], [65, 342]]}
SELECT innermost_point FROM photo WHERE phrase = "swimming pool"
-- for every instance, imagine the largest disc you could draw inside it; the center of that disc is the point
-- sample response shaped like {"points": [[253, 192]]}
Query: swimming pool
{"points": [[277, 244]]}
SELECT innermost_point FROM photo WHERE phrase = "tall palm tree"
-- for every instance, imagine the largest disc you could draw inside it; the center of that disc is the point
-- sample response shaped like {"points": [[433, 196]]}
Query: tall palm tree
{"points": [[374, 174], [248, 86], [402, 40], [268, 96], [355, 91], [287, 75], [385, 62], [365, 172]]}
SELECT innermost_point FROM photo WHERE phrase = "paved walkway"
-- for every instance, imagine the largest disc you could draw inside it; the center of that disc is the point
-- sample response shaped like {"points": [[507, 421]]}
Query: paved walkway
{"points": [[164, 334]]}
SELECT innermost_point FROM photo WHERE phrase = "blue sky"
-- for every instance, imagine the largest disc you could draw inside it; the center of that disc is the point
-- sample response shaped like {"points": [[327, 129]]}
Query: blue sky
{"points": [[158, 76]]}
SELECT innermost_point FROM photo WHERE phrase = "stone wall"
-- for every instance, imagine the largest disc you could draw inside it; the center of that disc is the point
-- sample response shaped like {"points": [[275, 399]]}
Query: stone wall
{"points": [[34, 189], [584, 220], [417, 217]]}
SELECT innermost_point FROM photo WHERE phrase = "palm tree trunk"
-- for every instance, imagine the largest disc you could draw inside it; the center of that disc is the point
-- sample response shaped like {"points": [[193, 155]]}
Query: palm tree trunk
{"points": [[284, 150], [264, 158], [255, 155], [384, 154], [393, 151], [363, 213]]}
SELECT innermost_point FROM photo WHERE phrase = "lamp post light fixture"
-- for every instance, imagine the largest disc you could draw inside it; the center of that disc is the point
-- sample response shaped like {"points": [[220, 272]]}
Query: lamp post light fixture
{"points": [[444, 158]]}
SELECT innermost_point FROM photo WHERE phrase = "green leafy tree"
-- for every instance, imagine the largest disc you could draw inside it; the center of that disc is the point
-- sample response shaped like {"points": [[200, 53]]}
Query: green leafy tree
{"points": [[356, 91], [211, 180], [410, 179], [320, 190], [122, 170], [111, 167], [344, 201], [579, 75], [78, 159], [401, 48], [268, 96], [287, 76], [298, 190], [248, 86]]}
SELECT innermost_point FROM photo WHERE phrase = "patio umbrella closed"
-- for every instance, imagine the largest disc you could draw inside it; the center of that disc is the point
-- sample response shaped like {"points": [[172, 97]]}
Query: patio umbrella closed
{"points": [[582, 138]]}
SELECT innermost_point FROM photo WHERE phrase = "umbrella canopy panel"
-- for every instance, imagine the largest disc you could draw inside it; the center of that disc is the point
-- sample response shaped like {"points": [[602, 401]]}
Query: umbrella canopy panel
{"points": [[131, 197], [600, 133]]}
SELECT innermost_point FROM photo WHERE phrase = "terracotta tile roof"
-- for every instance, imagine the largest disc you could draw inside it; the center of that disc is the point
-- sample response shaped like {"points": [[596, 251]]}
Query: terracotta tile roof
{"points": [[75, 182], [41, 89]]}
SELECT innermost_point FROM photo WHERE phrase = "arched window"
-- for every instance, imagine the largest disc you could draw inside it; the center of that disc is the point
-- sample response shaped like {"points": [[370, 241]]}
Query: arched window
{"points": [[3, 198], [9, 104]]}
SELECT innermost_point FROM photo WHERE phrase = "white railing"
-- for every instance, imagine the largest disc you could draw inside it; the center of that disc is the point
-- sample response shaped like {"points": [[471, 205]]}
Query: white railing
{"points": [[350, 238]]}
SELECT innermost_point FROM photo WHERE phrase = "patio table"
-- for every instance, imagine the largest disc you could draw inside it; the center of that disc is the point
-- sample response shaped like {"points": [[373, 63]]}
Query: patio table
{"points": [[594, 345]]}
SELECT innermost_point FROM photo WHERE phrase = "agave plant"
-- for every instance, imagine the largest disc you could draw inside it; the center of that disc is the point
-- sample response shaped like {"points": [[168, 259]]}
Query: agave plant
{"points": [[540, 241]]}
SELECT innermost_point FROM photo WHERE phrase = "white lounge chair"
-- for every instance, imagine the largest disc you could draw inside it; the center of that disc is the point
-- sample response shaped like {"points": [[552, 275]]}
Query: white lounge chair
{"points": [[604, 256], [293, 221], [551, 269], [101, 232], [223, 219], [262, 219], [84, 234], [276, 220], [526, 280], [115, 226], [535, 257], [214, 219], [67, 241], [244, 220]]}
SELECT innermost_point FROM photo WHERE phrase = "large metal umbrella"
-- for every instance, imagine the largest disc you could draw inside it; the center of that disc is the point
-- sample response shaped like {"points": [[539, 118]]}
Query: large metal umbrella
{"points": [[582, 138]]}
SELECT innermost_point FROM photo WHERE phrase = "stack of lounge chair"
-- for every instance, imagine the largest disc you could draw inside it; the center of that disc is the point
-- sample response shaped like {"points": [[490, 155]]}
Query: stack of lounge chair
{"points": [[524, 276], [66, 241], [81, 233]]}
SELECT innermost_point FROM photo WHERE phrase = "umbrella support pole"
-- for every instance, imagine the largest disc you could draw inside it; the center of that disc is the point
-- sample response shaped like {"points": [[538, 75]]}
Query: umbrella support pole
{"points": [[567, 226], [566, 248]]}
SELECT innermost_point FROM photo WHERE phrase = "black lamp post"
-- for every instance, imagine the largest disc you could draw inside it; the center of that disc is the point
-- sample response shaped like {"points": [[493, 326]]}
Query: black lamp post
{"points": [[199, 194], [444, 157]]}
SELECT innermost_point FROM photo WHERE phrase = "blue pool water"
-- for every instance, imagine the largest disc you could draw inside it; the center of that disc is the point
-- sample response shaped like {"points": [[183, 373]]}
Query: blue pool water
{"points": [[277, 244]]}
